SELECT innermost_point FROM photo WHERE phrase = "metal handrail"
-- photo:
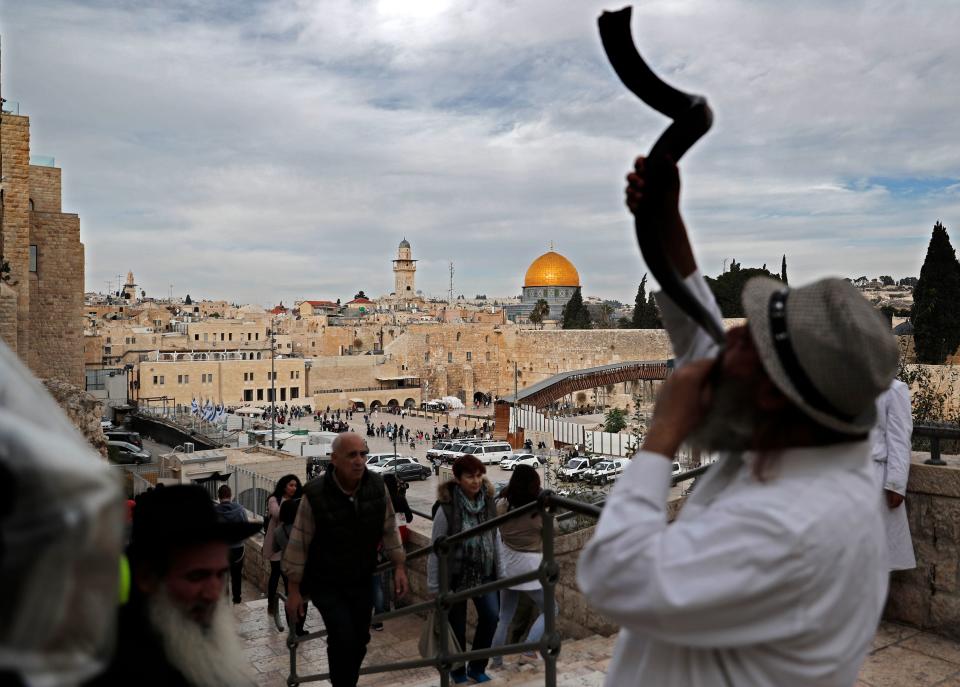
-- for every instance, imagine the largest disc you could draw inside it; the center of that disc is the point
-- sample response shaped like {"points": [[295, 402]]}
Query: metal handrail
{"points": [[936, 432], [547, 573]]}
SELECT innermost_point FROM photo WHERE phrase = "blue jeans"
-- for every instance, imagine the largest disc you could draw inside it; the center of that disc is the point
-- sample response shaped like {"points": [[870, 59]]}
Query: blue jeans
{"points": [[487, 607], [509, 598]]}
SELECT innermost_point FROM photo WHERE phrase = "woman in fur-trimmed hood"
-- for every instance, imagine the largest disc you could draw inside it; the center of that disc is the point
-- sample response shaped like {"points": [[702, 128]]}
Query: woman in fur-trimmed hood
{"points": [[462, 503]]}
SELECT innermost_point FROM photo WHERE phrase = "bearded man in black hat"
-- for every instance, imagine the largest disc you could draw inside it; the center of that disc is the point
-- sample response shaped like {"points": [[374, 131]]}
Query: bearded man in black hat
{"points": [[176, 630], [774, 574]]}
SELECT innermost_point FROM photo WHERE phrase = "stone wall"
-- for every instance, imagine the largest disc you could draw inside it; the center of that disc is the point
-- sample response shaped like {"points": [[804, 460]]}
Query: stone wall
{"points": [[45, 188], [56, 298], [463, 359], [8, 316], [928, 596], [15, 228], [83, 410]]}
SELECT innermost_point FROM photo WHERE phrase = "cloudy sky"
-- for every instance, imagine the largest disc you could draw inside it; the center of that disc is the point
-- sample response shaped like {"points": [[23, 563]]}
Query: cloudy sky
{"points": [[259, 150]]}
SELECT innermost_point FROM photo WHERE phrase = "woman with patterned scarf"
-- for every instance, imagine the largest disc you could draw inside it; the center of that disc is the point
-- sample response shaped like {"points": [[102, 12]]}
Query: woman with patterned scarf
{"points": [[465, 502]]}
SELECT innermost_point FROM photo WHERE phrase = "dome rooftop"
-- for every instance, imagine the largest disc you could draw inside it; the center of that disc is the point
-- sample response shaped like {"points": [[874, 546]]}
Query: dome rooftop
{"points": [[404, 243], [551, 269]]}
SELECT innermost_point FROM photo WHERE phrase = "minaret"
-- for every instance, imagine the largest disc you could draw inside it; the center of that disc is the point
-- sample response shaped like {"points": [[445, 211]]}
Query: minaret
{"points": [[404, 269], [130, 288]]}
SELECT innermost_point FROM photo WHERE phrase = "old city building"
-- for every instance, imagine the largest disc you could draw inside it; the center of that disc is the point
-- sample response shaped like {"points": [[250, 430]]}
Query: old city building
{"points": [[41, 295]]}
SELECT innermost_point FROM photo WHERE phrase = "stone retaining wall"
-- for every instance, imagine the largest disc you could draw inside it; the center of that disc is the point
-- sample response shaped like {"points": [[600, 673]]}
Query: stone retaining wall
{"points": [[929, 595]]}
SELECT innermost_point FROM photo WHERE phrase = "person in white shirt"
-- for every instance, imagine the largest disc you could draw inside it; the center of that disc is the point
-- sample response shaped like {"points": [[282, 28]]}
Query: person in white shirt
{"points": [[890, 441], [773, 574]]}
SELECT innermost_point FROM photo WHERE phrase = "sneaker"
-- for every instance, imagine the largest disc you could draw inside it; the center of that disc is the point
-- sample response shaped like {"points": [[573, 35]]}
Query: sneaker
{"points": [[529, 657], [479, 677], [496, 662], [459, 679], [377, 626]]}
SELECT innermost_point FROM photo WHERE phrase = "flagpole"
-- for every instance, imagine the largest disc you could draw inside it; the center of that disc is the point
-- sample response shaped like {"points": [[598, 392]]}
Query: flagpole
{"points": [[273, 387]]}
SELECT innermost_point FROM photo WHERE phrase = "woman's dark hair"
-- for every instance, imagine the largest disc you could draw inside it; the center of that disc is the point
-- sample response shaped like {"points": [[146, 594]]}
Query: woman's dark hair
{"points": [[468, 465], [524, 486], [288, 511], [282, 487]]}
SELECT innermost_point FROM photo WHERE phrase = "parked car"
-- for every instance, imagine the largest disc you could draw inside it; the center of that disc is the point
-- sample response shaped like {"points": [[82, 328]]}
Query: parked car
{"points": [[487, 453], [515, 459], [125, 453], [124, 435], [605, 471], [405, 468], [433, 406], [375, 459], [574, 469]]}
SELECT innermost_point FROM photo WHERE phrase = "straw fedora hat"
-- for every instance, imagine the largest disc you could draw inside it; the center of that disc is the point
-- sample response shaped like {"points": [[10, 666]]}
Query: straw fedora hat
{"points": [[824, 346]]}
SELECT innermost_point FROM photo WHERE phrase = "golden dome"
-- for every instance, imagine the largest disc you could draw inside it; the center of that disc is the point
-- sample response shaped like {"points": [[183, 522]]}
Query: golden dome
{"points": [[551, 269]]}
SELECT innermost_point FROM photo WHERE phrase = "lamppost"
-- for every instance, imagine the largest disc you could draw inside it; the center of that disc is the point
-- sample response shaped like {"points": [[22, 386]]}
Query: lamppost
{"points": [[273, 384]]}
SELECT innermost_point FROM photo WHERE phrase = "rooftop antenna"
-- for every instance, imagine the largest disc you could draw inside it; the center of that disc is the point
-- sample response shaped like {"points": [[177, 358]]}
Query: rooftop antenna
{"points": [[450, 292]]}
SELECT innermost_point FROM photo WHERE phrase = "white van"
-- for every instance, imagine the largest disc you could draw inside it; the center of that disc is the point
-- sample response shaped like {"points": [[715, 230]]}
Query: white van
{"points": [[489, 452]]}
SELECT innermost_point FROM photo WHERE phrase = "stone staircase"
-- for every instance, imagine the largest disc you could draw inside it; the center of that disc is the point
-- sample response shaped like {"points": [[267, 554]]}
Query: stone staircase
{"points": [[582, 663]]}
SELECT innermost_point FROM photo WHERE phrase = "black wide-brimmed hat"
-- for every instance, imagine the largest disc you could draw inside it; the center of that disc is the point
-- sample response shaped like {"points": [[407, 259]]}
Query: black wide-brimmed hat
{"points": [[180, 515]]}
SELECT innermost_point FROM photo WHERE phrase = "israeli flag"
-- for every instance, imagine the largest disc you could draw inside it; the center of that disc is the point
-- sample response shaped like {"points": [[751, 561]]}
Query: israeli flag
{"points": [[194, 408], [208, 411]]}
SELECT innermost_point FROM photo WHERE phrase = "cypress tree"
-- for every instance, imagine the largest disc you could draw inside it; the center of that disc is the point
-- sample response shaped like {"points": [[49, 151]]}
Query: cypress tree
{"points": [[783, 270], [640, 305], [575, 313], [936, 316]]}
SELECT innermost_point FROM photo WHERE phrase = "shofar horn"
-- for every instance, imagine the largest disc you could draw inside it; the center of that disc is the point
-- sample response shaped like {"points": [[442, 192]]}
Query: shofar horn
{"points": [[691, 119]]}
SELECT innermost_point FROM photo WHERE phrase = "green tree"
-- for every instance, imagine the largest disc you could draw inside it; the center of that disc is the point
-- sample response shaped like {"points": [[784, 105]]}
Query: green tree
{"points": [[783, 270], [645, 314], [187, 301], [540, 311], [936, 317], [615, 420], [729, 285], [887, 280], [575, 313]]}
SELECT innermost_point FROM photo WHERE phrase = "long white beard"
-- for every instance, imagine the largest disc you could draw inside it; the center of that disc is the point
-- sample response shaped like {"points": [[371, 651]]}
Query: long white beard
{"points": [[730, 423], [206, 656]]}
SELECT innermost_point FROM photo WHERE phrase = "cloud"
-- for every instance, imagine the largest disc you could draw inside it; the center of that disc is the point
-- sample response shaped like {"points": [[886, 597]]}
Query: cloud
{"points": [[261, 151]]}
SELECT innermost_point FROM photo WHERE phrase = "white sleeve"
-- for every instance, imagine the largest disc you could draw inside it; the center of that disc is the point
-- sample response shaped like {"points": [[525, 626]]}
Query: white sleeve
{"points": [[898, 435], [734, 578], [689, 341]]}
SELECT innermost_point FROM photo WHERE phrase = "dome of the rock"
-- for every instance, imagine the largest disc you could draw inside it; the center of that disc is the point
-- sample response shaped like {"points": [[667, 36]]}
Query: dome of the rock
{"points": [[551, 269]]}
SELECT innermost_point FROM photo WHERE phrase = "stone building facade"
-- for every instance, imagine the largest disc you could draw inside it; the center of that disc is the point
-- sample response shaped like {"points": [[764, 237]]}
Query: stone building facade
{"points": [[41, 304], [231, 382]]}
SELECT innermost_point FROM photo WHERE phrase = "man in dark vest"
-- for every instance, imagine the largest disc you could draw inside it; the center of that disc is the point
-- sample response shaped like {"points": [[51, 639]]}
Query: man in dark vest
{"points": [[343, 516]]}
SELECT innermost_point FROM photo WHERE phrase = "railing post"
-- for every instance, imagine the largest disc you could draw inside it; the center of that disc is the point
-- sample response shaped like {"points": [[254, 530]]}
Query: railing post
{"points": [[550, 644], [934, 458], [442, 616]]}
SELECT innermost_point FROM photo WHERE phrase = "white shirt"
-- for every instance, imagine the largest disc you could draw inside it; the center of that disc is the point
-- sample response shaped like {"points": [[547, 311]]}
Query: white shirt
{"points": [[775, 583]]}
